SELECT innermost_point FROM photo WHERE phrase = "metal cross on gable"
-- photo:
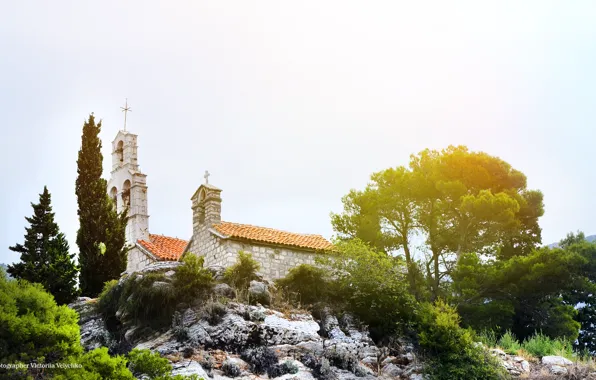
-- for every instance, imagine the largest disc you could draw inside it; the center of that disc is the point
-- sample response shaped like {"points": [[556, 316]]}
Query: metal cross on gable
{"points": [[125, 109], [206, 177]]}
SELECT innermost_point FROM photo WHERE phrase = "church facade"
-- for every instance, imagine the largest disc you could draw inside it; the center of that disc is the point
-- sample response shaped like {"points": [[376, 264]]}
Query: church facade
{"points": [[217, 241]]}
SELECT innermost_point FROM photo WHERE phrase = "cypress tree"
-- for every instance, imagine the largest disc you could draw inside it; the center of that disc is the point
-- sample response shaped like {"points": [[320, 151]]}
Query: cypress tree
{"points": [[44, 254], [101, 234]]}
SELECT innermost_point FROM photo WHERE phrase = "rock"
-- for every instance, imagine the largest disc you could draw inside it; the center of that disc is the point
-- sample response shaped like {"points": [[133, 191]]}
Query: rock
{"points": [[276, 330], [497, 352], [328, 323], [217, 272], [392, 370], [169, 274], [160, 266], [224, 290], [556, 360], [525, 366], [558, 370], [160, 284], [129, 334], [416, 376], [187, 368], [258, 292]]}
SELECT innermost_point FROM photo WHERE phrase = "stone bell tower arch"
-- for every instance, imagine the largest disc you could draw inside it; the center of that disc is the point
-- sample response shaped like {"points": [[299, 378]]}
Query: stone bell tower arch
{"points": [[128, 186]]}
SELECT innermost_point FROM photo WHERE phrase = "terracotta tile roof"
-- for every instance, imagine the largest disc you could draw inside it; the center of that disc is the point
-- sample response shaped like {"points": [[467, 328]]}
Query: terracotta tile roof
{"points": [[271, 236], [164, 247]]}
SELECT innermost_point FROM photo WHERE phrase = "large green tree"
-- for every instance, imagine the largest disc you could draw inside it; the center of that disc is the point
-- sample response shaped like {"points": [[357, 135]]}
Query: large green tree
{"points": [[455, 200], [101, 234], [45, 256]]}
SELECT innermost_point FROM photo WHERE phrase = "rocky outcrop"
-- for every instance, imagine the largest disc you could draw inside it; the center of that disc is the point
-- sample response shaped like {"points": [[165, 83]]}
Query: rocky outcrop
{"points": [[326, 349], [296, 339]]}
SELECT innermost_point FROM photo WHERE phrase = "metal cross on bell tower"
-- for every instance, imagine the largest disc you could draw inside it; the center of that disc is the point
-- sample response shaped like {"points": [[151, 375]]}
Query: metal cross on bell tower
{"points": [[206, 176], [125, 109]]}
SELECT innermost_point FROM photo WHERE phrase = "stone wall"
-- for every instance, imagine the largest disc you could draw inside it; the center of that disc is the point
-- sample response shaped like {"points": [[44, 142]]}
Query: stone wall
{"points": [[275, 261], [137, 260]]}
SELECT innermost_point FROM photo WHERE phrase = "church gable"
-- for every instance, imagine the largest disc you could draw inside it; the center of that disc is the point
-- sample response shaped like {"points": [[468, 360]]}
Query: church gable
{"points": [[272, 236]]}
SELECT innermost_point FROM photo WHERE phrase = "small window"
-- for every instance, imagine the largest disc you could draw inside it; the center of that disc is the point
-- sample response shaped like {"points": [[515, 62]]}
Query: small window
{"points": [[126, 193], [120, 151], [114, 196]]}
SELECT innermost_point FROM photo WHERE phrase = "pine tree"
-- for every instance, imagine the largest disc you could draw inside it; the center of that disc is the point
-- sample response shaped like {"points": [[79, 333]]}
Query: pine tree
{"points": [[101, 234], [44, 254]]}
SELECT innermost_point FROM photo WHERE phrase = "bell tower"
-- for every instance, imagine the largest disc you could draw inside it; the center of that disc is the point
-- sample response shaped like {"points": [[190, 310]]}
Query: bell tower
{"points": [[128, 186]]}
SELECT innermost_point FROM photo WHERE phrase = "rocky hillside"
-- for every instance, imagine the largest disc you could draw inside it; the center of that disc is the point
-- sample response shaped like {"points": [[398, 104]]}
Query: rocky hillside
{"points": [[229, 339]]}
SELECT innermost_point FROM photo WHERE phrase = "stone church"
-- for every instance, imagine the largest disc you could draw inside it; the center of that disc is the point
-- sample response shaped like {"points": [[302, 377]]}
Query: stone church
{"points": [[217, 241]]}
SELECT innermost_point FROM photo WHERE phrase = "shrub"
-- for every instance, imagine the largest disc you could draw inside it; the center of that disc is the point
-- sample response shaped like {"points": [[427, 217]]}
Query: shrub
{"points": [[488, 338], [450, 350], [213, 312], [509, 343], [541, 345], [308, 283], [147, 300], [243, 272], [372, 286], [261, 360], [147, 364], [180, 331], [343, 360], [99, 362], [285, 368], [231, 369], [33, 328], [321, 368], [192, 280]]}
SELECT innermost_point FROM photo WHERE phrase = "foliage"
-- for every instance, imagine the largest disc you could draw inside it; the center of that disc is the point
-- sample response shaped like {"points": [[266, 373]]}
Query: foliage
{"points": [[179, 329], [310, 284], [213, 312], [487, 337], [99, 362], [45, 257], [191, 280], [147, 363], [451, 351], [147, 300], [243, 272], [522, 294], [509, 343], [99, 223], [261, 360], [541, 345], [372, 286], [459, 201], [231, 369], [583, 297], [284, 368], [32, 327]]}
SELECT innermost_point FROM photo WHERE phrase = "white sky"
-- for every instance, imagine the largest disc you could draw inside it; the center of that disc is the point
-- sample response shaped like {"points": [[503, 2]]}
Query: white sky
{"points": [[291, 104]]}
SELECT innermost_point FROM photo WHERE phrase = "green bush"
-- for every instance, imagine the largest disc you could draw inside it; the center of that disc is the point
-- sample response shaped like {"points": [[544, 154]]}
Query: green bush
{"points": [[191, 280], [488, 338], [147, 300], [450, 350], [147, 363], [33, 328], [372, 286], [243, 272], [509, 343], [308, 283], [541, 345]]}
